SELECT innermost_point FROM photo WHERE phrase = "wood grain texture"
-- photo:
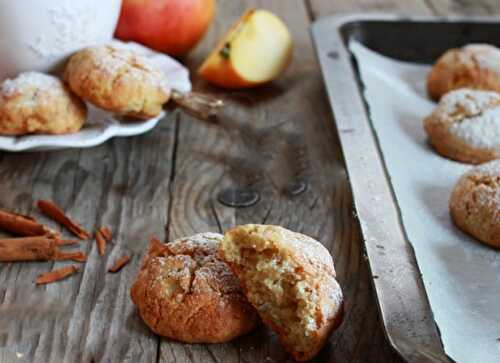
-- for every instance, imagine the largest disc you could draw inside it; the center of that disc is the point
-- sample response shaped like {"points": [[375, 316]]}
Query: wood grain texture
{"points": [[266, 140], [408, 7], [88, 317], [464, 7]]}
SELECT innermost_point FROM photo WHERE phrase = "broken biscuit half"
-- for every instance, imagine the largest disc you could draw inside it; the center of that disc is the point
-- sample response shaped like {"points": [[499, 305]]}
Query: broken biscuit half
{"points": [[290, 279]]}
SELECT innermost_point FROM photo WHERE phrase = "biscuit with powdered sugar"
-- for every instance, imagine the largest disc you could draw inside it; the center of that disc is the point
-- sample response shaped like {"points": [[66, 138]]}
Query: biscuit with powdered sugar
{"points": [[465, 126], [475, 203], [118, 80], [475, 66], [290, 279], [38, 103], [186, 293]]}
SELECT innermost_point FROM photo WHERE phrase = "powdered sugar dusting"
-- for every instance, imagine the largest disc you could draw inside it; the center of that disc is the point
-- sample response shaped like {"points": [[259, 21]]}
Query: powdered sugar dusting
{"points": [[112, 60], [466, 102], [490, 169], [481, 131], [474, 116], [35, 80], [201, 246], [486, 56], [192, 262]]}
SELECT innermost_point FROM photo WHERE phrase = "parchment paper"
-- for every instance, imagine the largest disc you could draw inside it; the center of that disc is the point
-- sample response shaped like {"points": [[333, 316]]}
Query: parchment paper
{"points": [[461, 276]]}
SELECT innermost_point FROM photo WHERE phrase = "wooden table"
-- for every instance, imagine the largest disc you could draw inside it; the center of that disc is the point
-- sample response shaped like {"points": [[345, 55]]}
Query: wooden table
{"points": [[166, 183]]}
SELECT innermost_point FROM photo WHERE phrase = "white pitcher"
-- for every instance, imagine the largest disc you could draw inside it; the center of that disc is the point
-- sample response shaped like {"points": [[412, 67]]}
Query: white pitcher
{"points": [[41, 34]]}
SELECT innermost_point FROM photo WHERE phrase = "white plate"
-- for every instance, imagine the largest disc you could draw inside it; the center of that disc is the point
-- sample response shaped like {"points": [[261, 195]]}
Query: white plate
{"points": [[100, 125]]}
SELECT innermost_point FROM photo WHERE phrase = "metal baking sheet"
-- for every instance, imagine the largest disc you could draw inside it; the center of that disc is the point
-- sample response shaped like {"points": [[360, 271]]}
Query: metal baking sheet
{"points": [[381, 133]]}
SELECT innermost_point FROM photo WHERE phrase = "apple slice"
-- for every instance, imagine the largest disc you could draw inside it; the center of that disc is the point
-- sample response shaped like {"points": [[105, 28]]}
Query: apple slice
{"points": [[256, 50]]}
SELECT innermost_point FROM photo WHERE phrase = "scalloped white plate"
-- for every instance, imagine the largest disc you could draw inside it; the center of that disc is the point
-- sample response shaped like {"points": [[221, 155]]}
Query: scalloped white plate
{"points": [[100, 125]]}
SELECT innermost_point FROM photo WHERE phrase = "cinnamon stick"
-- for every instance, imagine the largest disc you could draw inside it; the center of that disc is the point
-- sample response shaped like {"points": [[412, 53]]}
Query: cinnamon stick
{"points": [[156, 248], [77, 256], [52, 211], [106, 233], [40, 248], [101, 243], [119, 264], [66, 242], [27, 249], [56, 275], [23, 226]]}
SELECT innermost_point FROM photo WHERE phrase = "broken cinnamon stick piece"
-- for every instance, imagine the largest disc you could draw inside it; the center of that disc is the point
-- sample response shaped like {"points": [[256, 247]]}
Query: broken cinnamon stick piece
{"points": [[54, 212], [119, 264], [106, 233], [80, 257], [66, 242], [40, 248], [101, 243], [28, 249], [23, 226], [77, 256], [56, 275]]}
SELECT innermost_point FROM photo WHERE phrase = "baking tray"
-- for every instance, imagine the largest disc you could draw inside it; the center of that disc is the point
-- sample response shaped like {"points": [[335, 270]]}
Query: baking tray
{"points": [[402, 300]]}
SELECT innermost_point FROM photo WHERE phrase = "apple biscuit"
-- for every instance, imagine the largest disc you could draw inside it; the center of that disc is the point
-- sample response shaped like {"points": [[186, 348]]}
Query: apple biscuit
{"points": [[465, 126], [186, 293], [475, 66], [290, 279], [118, 80], [475, 203], [37, 103]]}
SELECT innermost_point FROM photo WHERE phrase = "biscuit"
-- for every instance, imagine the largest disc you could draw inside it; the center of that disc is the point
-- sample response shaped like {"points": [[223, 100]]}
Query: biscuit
{"points": [[290, 279], [118, 80], [475, 203], [186, 293], [36, 103], [465, 126], [475, 66]]}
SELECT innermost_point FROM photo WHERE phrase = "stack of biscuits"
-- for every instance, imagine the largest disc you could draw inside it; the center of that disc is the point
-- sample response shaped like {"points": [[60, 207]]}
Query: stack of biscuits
{"points": [[465, 126], [113, 79], [210, 288]]}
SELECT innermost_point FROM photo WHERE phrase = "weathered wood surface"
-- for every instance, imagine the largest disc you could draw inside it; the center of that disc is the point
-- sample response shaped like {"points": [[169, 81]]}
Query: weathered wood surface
{"points": [[166, 183], [122, 184]]}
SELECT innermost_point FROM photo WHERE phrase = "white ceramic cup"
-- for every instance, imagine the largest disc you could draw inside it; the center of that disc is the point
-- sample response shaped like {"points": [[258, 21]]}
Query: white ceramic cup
{"points": [[41, 34]]}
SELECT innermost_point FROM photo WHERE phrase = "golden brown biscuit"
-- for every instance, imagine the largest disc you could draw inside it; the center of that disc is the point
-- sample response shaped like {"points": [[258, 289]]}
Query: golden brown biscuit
{"points": [[290, 279], [474, 66], [186, 293], [465, 126], [118, 80], [475, 203], [36, 103]]}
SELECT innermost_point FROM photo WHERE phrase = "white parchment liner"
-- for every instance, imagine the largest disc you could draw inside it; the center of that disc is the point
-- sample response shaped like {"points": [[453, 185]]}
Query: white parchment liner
{"points": [[461, 276]]}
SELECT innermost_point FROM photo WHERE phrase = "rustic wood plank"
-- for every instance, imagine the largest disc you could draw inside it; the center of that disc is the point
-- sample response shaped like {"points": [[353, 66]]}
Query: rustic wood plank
{"points": [[265, 137], [464, 7], [123, 184], [408, 7]]}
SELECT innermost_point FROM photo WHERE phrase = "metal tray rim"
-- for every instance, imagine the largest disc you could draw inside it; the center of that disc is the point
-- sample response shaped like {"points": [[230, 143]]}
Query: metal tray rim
{"points": [[413, 332]]}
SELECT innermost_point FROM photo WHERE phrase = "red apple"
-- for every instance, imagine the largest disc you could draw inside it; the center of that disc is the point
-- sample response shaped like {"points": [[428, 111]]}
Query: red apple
{"points": [[170, 26]]}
